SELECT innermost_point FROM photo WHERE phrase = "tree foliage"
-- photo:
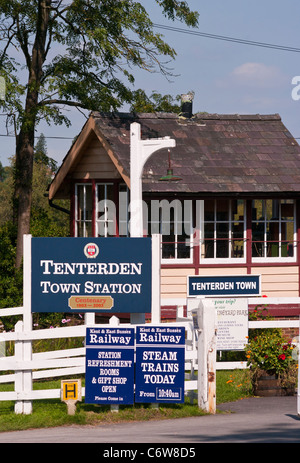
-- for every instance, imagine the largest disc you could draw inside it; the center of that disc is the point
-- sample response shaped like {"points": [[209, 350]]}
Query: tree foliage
{"points": [[78, 53], [45, 221], [155, 103]]}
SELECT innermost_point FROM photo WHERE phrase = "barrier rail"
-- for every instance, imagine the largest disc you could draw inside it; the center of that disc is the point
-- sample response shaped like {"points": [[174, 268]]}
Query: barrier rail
{"points": [[68, 362]]}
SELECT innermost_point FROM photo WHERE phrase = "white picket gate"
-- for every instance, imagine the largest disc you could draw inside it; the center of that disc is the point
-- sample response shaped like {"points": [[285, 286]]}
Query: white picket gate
{"points": [[28, 367]]}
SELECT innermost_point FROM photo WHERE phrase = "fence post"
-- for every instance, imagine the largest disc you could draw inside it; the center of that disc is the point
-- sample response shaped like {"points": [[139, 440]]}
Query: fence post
{"points": [[19, 373], [27, 320], [114, 321], [204, 320], [207, 342], [89, 318], [156, 266]]}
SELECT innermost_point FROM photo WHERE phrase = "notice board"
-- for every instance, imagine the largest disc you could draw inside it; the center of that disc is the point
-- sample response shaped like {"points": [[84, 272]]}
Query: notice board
{"points": [[109, 376], [160, 354], [232, 323], [106, 275]]}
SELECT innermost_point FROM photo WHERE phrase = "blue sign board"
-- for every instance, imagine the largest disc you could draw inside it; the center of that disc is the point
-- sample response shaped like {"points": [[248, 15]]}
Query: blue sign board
{"points": [[224, 286], [91, 275], [109, 376], [160, 364]]}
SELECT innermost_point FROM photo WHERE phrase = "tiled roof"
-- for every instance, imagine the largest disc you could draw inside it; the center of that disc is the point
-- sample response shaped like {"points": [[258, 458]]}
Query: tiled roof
{"points": [[225, 154]]}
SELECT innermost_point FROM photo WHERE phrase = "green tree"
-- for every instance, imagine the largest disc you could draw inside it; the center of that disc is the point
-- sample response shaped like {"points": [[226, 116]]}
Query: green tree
{"points": [[45, 221], [40, 154], [156, 102], [76, 53], [2, 172]]}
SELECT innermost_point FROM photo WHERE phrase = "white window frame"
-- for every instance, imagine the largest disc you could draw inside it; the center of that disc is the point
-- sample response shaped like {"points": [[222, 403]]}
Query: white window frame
{"points": [[221, 260], [108, 217], [84, 220], [279, 259], [157, 226], [185, 222]]}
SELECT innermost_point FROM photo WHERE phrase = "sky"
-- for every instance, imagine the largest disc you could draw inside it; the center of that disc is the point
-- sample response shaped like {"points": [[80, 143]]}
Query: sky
{"points": [[227, 77]]}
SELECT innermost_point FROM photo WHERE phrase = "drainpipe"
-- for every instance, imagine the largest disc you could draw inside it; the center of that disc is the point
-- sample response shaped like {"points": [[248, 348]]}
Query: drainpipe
{"points": [[55, 206]]}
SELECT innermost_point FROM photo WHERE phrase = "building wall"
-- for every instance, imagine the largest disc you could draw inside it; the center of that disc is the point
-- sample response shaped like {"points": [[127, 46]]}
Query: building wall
{"points": [[174, 282], [276, 281], [95, 164], [279, 281]]}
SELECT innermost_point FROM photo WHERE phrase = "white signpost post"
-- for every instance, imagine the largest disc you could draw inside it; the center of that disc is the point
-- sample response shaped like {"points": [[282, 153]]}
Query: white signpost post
{"points": [[140, 152], [222, 324], [204, 317]]}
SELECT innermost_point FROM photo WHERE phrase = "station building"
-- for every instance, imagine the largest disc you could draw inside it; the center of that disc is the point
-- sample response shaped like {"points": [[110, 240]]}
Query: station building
{"points": [[226, 199]]}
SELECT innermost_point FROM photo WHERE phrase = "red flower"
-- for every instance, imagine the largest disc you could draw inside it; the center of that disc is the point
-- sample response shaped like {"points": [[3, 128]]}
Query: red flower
{"points": [[281, 357]]}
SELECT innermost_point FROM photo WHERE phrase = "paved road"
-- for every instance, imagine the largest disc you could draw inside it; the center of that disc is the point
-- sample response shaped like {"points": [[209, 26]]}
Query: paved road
{"points": [[254, 420]]}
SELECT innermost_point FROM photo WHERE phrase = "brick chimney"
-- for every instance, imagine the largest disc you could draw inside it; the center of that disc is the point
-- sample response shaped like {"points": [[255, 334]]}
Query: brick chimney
{"points": [[187, 104]]}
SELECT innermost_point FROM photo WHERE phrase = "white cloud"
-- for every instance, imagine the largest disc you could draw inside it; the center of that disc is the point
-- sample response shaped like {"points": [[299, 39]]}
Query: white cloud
{"points": [[254, 75], [257, 75]]}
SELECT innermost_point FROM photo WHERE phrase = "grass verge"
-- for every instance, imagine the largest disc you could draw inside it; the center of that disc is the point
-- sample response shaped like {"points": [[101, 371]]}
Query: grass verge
{"points": [[231, 386]]}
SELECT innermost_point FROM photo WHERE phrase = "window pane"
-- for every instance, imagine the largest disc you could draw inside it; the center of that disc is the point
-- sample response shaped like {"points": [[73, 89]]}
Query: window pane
{"points": [[84, 210], [173, 219], [123, 210], [168, 247], [237, 244], [287, 236], [209, 210], [222, 240], [237, 248], [268, 209], [224, 228], [257, 209], [272, 249], [80, 202], [237, 210], [88, 202], [273, 228], [88, 229], [222, 210], [106, 210], [208, 244], [287, 210], [183, 246]]}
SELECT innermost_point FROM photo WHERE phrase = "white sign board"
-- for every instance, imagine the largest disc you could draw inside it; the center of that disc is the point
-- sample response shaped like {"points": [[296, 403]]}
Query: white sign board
{"points": [[232, 323]]}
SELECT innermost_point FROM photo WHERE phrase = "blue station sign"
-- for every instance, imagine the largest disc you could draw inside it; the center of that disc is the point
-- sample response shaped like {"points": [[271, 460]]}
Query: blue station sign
{"points": [[91, 275], [224, 286], [109, 376], [160, 364]]}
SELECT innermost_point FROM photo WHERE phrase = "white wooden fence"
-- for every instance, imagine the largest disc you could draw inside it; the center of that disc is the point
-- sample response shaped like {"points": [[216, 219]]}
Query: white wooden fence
{"points": [[59, 363], [24, 367]]}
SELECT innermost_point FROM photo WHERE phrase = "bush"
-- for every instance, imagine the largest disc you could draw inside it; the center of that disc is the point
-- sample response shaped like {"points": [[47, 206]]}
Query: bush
{"points": [[11, 279]]}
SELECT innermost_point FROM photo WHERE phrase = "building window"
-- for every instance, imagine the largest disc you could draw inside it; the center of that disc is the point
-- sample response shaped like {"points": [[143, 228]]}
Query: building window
{"points": [[223, 231], [173, 220], [123, 210], [105, 210], [84, 210], [273, 229], [101, 209]]}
